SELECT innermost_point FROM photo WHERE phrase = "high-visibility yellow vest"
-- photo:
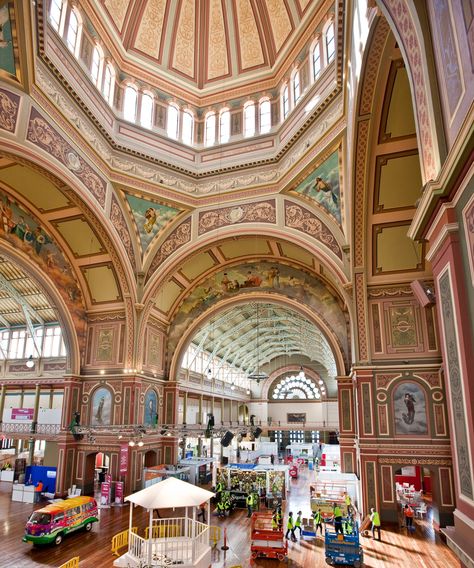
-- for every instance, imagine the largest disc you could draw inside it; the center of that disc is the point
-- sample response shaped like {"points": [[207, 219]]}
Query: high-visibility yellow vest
{"points": [[289, 524], [376, 519], [317, 518], [337, 512], [249, 500], [274, 523], [219, 487], [348, 500], [298, 521]]}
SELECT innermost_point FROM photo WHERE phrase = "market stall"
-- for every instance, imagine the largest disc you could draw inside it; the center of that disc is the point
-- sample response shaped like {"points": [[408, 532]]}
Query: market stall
{"points": [[332, 487], [271, 482], [200, 469]]}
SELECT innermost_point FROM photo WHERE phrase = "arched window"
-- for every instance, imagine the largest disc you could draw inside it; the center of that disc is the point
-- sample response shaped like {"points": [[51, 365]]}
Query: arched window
{"points": [[249, 119], [210, 129], [97, 63], [265, 116], [285, 101], [187, 131], [316, 60], [146, 110], [173, 121], [224, 126], [330, 43], [298, 387], [56, 14], [73, 37], [130, 103], [296, 87], [109, 83]]}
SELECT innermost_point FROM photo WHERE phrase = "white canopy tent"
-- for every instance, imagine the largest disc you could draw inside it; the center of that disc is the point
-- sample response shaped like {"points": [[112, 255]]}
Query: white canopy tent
{"points": [[171, 493]]}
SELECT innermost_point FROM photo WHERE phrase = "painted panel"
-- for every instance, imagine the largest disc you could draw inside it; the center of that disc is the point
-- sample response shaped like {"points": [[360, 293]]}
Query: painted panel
{"points": [[409, 410], [153, 355], [251, 53], [150, 218], [101, 407], [80, 237], [387, 483], [118, 10], [185, 37], [167, 295], [468, 222], [400, 120], [445, 485], [180, 236], [348, 462], [439, 419], [8, 65], [197, 266], [102, 283], [449, 67], [376, 328], [9, 106], [398, 182], [218, 64], [105, 343], [370, 485], [383, 419], [402, 326], [169, 407], [240, 247], [346, 410], [455, 382], [260, 212], [280, 21], [393, 237], [366, 409], [148, 37], [296, 253], [322, 186]]}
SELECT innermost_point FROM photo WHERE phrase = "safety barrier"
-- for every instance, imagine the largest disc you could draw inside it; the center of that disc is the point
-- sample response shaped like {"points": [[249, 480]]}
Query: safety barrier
{"points": [[163, 531], [119, 541], [214, 535], [73, 563]]}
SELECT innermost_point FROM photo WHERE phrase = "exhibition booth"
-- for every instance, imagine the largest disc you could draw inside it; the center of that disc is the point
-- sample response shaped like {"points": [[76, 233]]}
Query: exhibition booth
{"points": [[157, 473], [200, 470]]}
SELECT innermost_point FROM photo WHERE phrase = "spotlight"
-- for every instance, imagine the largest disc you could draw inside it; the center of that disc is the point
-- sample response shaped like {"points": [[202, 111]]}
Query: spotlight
{"points": [[140, 443], [248, 391], [257, 432], [102, 372], [226, 439], [30, 363], [120, 436], [131, 443]]}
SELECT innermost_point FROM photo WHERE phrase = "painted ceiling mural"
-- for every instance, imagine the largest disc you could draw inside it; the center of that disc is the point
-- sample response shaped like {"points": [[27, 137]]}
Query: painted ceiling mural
{"points": [[7, 54], [266, 276], [150, 218], [322, 186], [26, 233]]}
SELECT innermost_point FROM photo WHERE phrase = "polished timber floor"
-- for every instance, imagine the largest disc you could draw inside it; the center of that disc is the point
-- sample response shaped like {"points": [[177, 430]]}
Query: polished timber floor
{"points": [[423, 549]]}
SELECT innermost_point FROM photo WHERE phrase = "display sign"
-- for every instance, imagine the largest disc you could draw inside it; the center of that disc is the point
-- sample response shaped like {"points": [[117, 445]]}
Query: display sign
{"points": [[123, 466], [119, 492], [22, 413], [105, 489]]}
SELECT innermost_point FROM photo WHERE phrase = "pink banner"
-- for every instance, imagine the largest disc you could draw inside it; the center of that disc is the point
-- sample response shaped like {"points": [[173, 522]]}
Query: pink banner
{"points": [[105, 493], [22, 413], [123, 466], [118, 492]]}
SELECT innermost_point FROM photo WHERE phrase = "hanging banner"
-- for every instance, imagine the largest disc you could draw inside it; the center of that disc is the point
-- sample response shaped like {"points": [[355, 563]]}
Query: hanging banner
{"points": [[22, 413], [123, 466], [119, 492], [105, 494]]}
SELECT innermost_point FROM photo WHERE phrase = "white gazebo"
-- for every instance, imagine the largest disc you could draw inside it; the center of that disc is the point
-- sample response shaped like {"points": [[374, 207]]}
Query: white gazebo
{"points": [[178, 540]]}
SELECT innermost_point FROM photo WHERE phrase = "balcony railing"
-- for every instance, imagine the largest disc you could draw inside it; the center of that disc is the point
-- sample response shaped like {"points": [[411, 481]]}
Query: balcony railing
{"points": [[29, 428]]}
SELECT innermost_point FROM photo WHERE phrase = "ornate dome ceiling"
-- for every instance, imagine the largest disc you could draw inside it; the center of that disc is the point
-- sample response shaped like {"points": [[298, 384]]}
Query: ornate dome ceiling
{"points": [[205, 44]]}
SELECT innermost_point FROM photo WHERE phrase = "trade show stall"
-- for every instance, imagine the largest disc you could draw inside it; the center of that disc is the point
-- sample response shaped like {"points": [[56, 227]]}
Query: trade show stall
{"points": [[332, 487], [200, 470], [157, 473]]}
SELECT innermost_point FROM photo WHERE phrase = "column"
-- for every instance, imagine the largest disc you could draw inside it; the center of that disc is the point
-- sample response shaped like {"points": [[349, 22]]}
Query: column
{"points": [[31, 441], [347, 426], [185, 406], [2, 401]]}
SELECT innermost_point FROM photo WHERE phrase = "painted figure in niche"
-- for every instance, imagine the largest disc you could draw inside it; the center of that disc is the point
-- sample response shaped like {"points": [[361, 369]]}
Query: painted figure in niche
{"points": [[410, 404], [101, 414], [329, 193], [7, 57], [150, 216], [151, 409], [7, 216]]}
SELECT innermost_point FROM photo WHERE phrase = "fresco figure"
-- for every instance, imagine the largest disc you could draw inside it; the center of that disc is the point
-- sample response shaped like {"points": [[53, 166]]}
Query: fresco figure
{"points": [[410, 404], [100, 409], [101, 414], [321, 185], [151, 217]]}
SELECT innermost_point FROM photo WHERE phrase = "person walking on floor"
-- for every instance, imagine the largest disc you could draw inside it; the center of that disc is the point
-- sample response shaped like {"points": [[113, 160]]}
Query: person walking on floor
{"points": [[202, 512], [290, 527], [318, 522], [408, 514], [375, 519], [298, 523], [279, 517], [337, 518], [275, 521], [249, 502]]}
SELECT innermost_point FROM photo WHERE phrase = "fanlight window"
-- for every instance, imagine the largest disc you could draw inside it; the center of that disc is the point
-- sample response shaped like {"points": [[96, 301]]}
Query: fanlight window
{"points": [[224, 126], [130, 104], [187, 127], [298, 387], [146, 111], [330, 43], [265, 116], [249, 119]]}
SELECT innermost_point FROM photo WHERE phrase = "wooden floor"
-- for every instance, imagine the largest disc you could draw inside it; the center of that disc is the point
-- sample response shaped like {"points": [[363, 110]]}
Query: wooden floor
{"points": [[423, 549]]}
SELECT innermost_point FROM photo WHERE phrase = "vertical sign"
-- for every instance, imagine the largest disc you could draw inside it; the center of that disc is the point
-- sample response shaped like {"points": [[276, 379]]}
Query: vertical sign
{"points": [[119, 492], [123, 466], [105, 494]]}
